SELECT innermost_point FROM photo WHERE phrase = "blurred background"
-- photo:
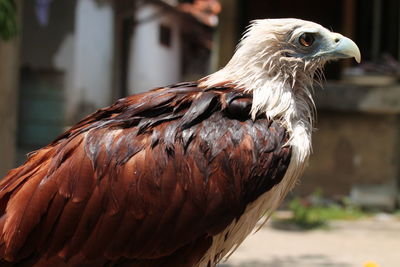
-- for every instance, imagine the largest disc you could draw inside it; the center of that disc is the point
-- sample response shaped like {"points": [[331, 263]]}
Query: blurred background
{"points": [[62, 59]]}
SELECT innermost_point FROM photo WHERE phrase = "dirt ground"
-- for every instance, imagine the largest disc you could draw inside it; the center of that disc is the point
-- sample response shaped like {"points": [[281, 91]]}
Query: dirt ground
{"points": [[343, 244]]}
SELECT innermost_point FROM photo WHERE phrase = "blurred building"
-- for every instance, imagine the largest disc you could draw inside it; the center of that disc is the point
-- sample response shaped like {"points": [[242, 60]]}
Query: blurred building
{"points": [[81, 55]]}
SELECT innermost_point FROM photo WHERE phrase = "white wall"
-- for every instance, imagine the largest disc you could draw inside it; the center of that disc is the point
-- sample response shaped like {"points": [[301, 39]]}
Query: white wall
{"points": [[92, 58], [152, 64], [64, 60]]}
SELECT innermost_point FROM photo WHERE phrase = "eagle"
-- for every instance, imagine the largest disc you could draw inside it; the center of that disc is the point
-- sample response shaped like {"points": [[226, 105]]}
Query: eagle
{"points": [[179, 175]]}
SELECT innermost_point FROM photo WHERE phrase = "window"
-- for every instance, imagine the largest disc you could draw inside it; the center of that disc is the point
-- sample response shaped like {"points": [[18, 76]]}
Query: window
{"points": [[165, 35]]}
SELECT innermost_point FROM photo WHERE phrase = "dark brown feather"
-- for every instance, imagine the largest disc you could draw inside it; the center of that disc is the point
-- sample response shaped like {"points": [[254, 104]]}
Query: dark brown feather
{"points": [[147, 181]]}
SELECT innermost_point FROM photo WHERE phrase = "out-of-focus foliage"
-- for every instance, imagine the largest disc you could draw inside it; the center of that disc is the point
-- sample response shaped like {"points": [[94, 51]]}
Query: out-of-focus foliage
{"points": [[8, 19], [314, 212]]}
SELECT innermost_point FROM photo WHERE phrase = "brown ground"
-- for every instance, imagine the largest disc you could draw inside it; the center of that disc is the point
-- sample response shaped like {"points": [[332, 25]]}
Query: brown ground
{"points": [[343, 244]]}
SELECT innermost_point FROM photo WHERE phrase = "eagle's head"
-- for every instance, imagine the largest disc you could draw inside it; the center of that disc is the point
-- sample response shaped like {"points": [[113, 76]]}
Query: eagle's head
{"points": [[295, 40], [291, 50], [291, 47]]}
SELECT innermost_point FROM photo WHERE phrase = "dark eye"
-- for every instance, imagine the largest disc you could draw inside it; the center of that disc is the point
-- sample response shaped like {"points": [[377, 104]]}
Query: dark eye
{"points": [[306, 39]]}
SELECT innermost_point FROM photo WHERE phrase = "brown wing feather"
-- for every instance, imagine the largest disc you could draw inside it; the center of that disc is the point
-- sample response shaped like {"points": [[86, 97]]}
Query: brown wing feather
{"points": [[148, 180]]}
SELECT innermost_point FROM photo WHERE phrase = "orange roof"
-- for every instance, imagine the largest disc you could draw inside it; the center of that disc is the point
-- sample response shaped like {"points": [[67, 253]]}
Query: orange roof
{"points": [[206, 11]]}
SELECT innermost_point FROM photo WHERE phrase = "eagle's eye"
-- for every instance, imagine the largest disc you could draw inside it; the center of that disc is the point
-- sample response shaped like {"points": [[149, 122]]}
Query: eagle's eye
{"points": [[306, 39]]}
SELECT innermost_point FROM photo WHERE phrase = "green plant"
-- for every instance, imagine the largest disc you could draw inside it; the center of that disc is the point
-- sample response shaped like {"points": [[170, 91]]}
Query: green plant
{"points": [[312, 212], [305, 216], [8, 19]]}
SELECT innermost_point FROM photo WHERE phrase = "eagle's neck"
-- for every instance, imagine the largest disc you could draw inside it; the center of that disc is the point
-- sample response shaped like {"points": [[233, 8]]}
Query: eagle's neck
{"points": [[294, 110], [282, 95]]}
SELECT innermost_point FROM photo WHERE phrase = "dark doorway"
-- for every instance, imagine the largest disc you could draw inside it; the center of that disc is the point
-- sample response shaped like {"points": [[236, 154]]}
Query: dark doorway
{"points": [[126, 36]]}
